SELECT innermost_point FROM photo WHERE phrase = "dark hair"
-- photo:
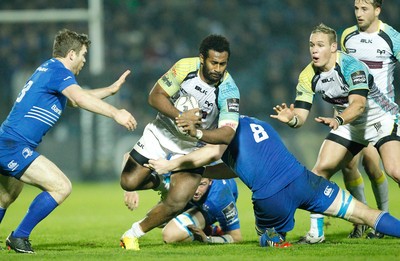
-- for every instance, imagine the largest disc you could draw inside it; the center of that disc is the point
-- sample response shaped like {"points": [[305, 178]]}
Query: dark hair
{"points": [[67, 40], [214, 42], [377, 3]]}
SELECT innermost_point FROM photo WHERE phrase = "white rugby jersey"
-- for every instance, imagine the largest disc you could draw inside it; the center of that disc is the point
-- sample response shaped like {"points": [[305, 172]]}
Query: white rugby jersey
{"points": [[379, 50]]}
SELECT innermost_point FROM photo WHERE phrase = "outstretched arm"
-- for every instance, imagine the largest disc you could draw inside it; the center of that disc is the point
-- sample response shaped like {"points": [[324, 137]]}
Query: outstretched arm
{"points": [[195, 159], [294, 117]]}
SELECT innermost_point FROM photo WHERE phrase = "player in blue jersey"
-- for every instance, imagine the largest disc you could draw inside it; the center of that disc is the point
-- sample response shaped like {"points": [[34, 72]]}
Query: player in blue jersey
{"points": [[279, 183], [36, 110], [365, 115], [214, 201], [377, 44], [206, 78]]}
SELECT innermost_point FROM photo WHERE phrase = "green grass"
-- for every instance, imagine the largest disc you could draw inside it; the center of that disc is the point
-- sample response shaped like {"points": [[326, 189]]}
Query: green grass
{"points": [[87, 226]]}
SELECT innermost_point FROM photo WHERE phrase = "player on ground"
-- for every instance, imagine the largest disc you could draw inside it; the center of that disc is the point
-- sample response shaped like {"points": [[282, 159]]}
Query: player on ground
{"points": [[37, 108], [214, 201], [365, 115], [206, 78], [279, 183], [378, 46]]}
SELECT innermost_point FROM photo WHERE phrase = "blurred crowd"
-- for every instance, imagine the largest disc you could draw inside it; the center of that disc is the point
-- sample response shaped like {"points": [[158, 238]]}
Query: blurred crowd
{"points": [[269, 44]]}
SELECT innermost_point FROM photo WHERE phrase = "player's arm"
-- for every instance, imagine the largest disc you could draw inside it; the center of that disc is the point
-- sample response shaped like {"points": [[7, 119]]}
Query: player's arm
{"points": [[229, 237], [91, 103], [357, 104], [195, 159]]}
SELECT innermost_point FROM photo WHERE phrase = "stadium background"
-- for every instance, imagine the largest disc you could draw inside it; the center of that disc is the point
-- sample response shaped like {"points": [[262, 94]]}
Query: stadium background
{"points": [[269, 42]]}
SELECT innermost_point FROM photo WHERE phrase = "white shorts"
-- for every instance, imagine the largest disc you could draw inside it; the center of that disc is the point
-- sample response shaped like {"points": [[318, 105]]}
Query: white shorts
{"points": [[158, 142], [370, 133]]}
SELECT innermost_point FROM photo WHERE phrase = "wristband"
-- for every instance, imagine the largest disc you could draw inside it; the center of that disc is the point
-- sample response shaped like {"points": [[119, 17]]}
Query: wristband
{"points": [[199, 134], [180, 114], [339, 120], [293, 122]]}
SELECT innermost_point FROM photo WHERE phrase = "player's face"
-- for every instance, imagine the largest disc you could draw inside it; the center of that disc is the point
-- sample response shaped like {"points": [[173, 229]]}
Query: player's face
{"points": [[322, 51], [79, 60], [202, 189], [365, 13], [213, 67]]}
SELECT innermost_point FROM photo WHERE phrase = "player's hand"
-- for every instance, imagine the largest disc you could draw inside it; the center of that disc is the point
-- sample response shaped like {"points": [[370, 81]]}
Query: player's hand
{"points": [[193, 115], [118, 83], [124, 118], [189, 127], [131, 199], [331, 122], [283, 112], [198, 233], [161, 166]]}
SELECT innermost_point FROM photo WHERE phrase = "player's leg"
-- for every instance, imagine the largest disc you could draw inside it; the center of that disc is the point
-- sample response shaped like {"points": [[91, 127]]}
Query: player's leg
{"points": [[44, 174], [182, 188], [332, 157], [134, 176], [390, 152], [355, 185], [176, 230], [10, 188], [346, 207]]}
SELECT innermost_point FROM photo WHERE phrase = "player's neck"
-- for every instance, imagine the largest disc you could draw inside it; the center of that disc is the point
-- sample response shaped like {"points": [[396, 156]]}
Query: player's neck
{"points": [[373, 28]]}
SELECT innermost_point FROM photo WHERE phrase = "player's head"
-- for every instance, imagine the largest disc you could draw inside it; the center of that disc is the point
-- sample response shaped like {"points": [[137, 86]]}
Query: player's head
{"points": [[214, 55], [323, 45], [202, 189], [367, 13], [72, 45]]}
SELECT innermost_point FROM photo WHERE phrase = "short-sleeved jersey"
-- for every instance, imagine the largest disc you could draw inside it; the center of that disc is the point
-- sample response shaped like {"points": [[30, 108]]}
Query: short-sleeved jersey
{"points": [[219, 204], [40, 103], [379, 50], [349, 76], [263, 161], [219, 104]]}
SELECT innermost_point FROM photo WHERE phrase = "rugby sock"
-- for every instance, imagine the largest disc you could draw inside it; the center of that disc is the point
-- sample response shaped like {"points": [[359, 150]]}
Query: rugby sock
{"points": [[388, 225], [40, 208], [356, 189], [2, 213], [380, 188], [135, 230], [317, 225]]}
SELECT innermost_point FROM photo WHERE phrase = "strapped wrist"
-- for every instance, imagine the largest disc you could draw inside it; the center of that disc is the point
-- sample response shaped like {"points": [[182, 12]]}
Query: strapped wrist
{"points": [[293, 122], [199, 134], [339, 120]]}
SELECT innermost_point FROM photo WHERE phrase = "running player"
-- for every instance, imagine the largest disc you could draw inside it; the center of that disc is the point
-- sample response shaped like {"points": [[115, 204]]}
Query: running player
{"points": [[378, 46], [364, 116], [37, 108], [279, 183], [206, 78]]}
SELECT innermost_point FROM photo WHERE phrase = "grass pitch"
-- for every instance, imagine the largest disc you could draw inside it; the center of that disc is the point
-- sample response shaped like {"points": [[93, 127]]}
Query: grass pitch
{"points": [[88, 225]]}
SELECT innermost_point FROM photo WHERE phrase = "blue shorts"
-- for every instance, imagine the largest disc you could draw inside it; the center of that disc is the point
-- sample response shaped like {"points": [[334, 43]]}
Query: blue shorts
{"points": [[15, 157], [309, 192]]}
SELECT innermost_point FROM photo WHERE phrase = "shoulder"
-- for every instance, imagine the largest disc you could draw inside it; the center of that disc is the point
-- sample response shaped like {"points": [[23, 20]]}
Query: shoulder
{"points": [[307, 73], [187, 64], [350, 63]]}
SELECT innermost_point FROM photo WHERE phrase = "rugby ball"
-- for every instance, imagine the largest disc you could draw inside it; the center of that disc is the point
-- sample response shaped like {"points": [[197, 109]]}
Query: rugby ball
{"points": [[184, 103]]}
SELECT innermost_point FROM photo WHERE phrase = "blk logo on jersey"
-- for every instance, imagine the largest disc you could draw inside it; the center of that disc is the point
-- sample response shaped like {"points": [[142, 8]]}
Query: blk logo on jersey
{"points": [[368, 41], [12, 165], [328, 80]]}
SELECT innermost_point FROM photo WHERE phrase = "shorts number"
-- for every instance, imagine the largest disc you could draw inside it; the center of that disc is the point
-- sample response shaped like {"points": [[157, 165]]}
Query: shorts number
{"points": [[26, 88], [259, 133]]}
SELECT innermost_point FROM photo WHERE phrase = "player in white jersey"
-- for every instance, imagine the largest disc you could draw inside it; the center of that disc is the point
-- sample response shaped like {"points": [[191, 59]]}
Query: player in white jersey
{"points": [[378, 45], [364, 114], [37, 108], [206, 78]]}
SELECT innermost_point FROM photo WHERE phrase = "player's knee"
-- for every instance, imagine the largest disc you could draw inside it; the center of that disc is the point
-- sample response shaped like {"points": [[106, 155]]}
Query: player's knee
{"points": [[129, 182]]}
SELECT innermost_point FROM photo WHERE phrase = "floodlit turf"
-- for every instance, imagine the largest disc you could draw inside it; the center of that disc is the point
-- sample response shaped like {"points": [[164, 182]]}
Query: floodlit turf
{"points": [[89, 224]]}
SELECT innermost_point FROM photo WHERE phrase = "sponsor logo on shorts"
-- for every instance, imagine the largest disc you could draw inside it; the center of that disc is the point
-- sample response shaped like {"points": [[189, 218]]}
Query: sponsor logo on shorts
{"points": [[358, 77], [27, 152], [140, 145], [233, 105], [12, 165], [328, 191], [377, 126]]}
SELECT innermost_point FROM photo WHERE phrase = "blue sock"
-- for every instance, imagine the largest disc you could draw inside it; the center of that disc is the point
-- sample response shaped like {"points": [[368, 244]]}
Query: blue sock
{"points": [[40, 207], [2, 213], [388, 225]]}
